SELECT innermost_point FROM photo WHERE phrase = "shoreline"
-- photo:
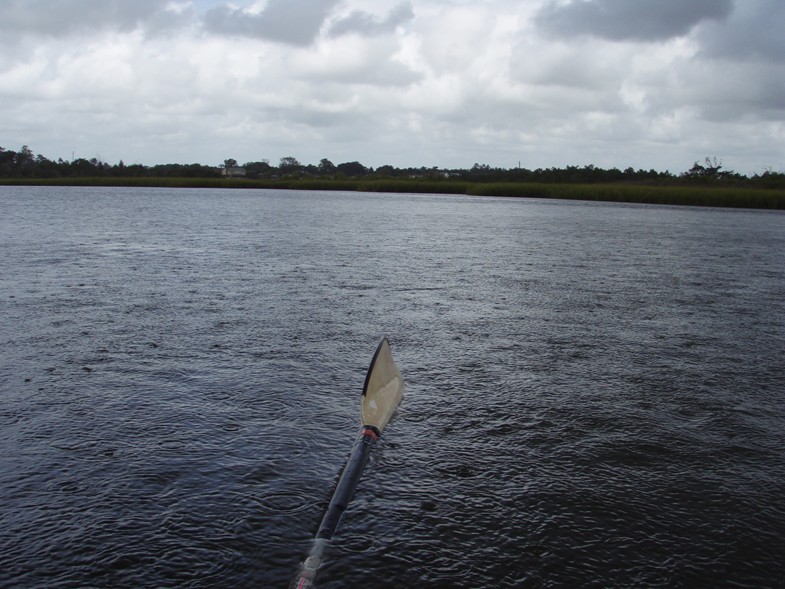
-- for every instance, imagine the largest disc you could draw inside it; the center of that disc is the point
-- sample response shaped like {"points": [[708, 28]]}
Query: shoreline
{"points": [[685, 195]]}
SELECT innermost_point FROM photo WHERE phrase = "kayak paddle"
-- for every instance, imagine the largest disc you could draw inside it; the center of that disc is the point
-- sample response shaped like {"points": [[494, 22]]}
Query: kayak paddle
{"points": [[382, 394]]}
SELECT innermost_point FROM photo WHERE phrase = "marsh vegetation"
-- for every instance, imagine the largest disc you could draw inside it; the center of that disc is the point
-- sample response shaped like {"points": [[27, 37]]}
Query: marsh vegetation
{"points": [[704, 184]]}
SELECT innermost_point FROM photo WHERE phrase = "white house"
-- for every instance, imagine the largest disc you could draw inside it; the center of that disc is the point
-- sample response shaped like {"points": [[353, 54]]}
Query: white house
{"points": [[233, 172]]}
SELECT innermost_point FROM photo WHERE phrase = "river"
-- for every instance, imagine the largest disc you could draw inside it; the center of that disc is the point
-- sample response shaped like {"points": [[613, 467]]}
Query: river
{"points": [[595, 392]]}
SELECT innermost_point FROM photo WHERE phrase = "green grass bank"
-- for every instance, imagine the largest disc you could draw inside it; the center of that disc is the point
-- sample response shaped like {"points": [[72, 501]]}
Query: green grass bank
{"points": [[689, 195]]}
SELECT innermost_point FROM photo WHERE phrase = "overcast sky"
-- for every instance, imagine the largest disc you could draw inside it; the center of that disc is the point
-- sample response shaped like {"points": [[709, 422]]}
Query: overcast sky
{"points": [[448, 83]]}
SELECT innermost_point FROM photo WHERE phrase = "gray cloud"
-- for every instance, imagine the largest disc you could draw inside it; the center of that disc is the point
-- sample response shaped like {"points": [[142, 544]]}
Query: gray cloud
{"points": [[734, 92], [464, 82], [294, 22], [366, 24], [755, 32], [626, 20], [59, 18]]}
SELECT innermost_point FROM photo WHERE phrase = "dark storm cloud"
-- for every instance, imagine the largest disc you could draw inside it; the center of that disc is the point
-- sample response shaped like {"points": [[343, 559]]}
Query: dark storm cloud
{"points": [[59, 18], [366, 24], [631, 20], [294, 22]]}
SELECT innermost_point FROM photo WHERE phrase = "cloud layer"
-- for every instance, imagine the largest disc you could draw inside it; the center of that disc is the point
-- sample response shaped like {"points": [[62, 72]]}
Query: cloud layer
{"points": [[63, 18], [622, 20], [423, 82], [284, 21]]}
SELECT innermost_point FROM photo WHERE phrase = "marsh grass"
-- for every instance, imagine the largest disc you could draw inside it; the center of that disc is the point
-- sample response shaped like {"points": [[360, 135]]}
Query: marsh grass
{"points": [[669, 195]]}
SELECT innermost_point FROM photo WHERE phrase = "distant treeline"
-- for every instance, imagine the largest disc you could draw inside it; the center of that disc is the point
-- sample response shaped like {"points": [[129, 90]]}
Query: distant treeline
{"points": [[24, 164]]}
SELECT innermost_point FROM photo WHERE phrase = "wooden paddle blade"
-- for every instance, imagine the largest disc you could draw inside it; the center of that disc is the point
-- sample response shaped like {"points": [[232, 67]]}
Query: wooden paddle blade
{"points": [[383, 388]]}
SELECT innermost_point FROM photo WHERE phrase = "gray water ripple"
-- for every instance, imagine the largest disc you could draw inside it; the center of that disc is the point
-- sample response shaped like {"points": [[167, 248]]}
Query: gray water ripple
{"points": [[593, 398]]}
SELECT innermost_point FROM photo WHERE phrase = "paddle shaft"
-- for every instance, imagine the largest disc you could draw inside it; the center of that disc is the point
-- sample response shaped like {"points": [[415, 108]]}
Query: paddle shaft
{"points": [[347, 484], [344, 491]]}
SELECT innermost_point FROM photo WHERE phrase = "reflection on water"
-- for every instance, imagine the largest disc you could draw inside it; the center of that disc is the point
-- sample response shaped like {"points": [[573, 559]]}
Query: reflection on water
{"points": [[594, 391]]}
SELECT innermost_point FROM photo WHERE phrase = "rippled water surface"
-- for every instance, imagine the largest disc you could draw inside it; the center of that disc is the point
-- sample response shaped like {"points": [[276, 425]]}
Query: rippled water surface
{"points": [[595, 392]]}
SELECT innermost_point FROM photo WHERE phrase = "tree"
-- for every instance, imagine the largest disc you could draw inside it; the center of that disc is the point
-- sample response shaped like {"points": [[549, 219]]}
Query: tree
{"points": [[82, 167], [289, 162], [25, 157], [386, 170], [710, 169], [289, 165], [257, 169], [352, 169], [326, 167], [45, 168], [7, 158], [230, 163]]}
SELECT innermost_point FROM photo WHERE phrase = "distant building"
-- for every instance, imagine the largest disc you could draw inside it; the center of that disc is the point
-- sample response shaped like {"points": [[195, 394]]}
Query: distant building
{"points": [[233, 172]]}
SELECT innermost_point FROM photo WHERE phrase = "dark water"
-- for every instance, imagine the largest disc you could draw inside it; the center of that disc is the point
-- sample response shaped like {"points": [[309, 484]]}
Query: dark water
{"points": [[595, 392]]}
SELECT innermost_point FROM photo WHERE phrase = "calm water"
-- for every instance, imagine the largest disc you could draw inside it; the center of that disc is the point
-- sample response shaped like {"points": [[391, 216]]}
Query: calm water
{"points": [[595, 392]]}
